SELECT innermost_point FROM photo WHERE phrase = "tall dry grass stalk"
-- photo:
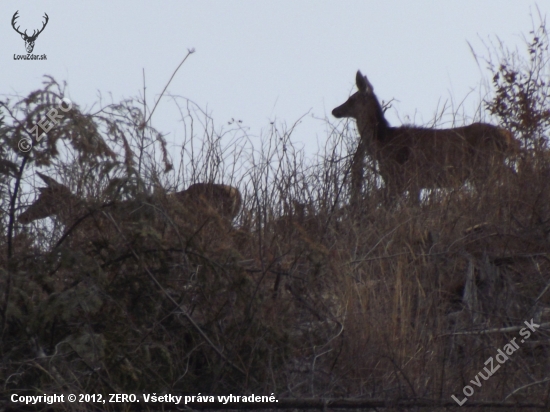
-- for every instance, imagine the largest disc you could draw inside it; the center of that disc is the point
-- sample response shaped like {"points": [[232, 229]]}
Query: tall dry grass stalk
{"points": [[302, 295]]}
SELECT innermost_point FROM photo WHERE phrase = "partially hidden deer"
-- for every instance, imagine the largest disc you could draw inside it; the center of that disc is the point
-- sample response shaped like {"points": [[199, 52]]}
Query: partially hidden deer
{"points": [[57, 200], [225, 200], [413, 158]]}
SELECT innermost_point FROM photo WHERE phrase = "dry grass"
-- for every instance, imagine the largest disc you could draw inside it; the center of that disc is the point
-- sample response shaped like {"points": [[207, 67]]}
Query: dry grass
{"points": [[302, 296]]}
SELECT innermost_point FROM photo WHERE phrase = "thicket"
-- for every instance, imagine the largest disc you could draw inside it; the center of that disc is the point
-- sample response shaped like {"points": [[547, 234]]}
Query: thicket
{"points": [[303, 295]]}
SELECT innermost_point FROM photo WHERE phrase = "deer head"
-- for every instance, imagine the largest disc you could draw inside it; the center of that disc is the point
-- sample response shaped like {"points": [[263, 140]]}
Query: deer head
{"points": [[29, 40], [52, 199], [363, 106]]}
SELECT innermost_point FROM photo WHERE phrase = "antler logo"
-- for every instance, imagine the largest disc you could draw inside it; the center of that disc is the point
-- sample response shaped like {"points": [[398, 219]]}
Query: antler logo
{"points": [[29, 40]]}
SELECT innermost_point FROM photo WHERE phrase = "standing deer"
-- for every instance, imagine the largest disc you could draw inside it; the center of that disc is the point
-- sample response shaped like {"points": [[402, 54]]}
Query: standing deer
{"points": [[413, 158], [57, 200]]}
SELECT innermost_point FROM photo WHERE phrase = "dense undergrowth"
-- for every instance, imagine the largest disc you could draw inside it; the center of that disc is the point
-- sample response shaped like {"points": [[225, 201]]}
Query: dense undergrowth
{"points": [[303, 295]]}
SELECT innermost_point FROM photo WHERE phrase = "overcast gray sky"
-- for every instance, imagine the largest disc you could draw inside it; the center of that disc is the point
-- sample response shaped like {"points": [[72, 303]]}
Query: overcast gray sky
{"points": [[260, 61]]}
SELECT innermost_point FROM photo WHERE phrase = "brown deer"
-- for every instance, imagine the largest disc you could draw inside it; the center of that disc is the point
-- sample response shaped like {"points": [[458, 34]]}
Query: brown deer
{"points": [[226, 200], [413, 158], [57, 200]]}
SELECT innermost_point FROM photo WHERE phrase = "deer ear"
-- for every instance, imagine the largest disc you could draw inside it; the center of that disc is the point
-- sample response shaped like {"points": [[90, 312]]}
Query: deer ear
{"points": [[363, 84], [49, 181]]}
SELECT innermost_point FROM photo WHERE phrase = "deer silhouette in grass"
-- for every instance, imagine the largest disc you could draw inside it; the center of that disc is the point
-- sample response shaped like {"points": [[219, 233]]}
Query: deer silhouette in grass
{"points": [[414, 158], [57, 200]]}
